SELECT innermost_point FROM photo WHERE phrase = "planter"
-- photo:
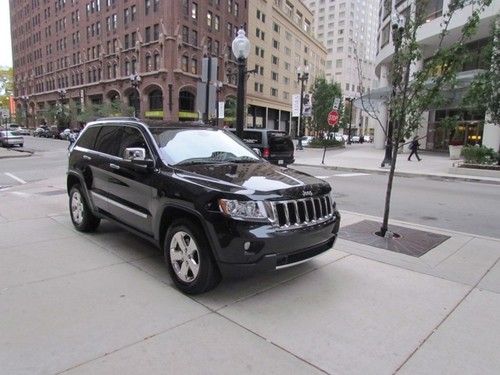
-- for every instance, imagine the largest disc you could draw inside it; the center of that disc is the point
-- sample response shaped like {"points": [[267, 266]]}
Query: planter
{"points": [[455, 152]]}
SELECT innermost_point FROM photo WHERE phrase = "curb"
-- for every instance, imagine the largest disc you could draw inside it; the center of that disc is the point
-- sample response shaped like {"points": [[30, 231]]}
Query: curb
{"points": [[405, 174], [12, 156]]}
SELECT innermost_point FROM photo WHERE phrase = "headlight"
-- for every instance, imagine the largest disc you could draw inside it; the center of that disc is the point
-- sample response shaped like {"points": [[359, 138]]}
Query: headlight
{"points": [[243, 209]]}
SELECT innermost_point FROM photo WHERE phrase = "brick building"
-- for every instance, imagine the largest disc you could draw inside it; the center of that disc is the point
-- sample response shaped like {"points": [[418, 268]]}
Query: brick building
{"points": [[146, 53]]}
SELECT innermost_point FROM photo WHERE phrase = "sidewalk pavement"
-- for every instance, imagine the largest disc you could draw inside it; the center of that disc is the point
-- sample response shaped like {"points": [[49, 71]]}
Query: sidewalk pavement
{"points": [[365, 158], [6, 153], [103, 303]]}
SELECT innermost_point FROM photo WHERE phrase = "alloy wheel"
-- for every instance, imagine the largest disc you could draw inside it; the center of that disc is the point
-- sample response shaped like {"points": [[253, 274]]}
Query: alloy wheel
{"points": [[184, 256], [77, 207]]}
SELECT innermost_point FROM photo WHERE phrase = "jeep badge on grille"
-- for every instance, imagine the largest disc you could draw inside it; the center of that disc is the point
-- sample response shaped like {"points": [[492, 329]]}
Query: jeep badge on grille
{"points": [[307, 193]]}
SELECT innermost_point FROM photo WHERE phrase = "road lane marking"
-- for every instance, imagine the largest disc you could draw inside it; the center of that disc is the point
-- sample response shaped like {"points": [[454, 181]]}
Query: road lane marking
{"points": [[343, 175], [352, 174], [15, 178]]}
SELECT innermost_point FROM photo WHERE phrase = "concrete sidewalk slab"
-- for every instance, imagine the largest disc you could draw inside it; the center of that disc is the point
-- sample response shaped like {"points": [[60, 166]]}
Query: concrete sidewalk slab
{"points": [[48, 259], [466, 343], [354, 316], [233, 290], [32, 231], [462, 258], [365, 158], [208, 345], [7, 153], [491, 281], [56, 324]]}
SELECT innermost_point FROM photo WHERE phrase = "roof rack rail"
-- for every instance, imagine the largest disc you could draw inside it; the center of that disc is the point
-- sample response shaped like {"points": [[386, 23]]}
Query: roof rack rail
{"points": [[118, 118]]}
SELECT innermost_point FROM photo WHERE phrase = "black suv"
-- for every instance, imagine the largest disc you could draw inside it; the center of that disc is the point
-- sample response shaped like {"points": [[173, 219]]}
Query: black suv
{"points": [[208, 201], [273, 145]]}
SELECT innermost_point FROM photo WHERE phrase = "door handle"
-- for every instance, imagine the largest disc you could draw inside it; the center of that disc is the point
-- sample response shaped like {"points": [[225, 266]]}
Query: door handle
{"points": [[114, 166], [86, 157]]}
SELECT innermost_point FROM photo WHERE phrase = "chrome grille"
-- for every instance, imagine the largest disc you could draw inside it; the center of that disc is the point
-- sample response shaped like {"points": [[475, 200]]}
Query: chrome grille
{"points": [[298, 213]]}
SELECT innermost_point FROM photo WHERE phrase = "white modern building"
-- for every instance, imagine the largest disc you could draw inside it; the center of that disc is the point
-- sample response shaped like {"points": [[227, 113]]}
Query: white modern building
{"points": [[348, 29], [474, 127]]}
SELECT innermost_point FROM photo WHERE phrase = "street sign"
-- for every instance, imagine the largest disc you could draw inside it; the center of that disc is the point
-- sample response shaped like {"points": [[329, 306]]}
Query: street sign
{"points": [[336, 103], [333, 118], [295, 105]]}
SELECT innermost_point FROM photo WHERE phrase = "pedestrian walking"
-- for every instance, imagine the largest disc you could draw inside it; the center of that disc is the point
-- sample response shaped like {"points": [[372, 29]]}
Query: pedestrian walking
{"points": [[299, 143], [414, 145]]}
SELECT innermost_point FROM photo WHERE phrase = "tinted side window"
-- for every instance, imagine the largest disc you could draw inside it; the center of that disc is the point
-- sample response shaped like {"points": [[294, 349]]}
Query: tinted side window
{"points": [[132, 137], [87, 138], [108, 140], [252, 137]]}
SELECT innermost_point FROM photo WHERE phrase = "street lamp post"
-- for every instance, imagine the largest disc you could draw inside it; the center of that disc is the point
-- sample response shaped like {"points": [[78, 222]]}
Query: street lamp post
{"points": [[218, 89], [302, 77], [241, 50], [135, 80], [62, 95], [398, 26], [349, 100], [25, 99]]}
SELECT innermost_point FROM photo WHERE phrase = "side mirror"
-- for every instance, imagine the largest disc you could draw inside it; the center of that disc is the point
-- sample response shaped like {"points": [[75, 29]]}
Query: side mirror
{"points": [[134, 153], [137, 157], [257, 151]]}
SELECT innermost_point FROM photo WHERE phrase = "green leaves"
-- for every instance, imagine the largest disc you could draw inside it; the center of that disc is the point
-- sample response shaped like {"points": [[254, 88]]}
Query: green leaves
{"points": [[323, 95], [6, 86]]}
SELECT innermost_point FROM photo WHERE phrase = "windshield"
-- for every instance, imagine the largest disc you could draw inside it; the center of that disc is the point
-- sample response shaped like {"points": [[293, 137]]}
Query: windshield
{"points": [[201, 146]]}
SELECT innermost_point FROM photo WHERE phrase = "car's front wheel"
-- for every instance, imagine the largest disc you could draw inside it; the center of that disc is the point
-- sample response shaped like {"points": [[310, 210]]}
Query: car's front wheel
{"points": [[82, 217], [189, 258]]}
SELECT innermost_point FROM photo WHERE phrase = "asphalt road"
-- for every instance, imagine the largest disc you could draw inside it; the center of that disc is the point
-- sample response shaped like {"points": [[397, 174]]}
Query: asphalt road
{"points": [[462, 206], [49, 160], [468, 207]]}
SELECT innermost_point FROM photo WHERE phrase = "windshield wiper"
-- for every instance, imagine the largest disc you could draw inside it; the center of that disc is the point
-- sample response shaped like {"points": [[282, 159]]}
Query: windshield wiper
{"points": [[243, 160], [200, 161]]}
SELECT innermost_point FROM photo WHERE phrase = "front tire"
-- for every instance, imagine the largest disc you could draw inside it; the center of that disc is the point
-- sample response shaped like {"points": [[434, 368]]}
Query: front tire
{"points": [[82, 217], [189, 258]]}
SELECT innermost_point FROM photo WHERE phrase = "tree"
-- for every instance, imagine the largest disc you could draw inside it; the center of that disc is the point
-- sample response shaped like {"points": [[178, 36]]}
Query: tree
{"points": [[410, 98], [484, 91], [6, 86], [323, 95]]}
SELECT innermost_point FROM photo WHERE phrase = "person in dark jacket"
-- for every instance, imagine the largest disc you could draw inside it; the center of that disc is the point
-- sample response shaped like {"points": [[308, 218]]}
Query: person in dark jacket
{"points": [[414, 148]]}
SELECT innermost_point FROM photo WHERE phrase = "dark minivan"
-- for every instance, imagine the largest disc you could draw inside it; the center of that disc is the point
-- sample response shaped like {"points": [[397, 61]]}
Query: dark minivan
{"points": [[201, 195], [273, 145]]}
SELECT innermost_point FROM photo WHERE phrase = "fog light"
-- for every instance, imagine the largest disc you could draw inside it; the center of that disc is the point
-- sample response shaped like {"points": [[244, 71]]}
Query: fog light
{"points": [[246, 246]]}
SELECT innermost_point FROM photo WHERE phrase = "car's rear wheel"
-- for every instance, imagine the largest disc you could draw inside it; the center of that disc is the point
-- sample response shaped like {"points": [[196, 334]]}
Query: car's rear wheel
{"points": [[189, 258], [82, 217]]}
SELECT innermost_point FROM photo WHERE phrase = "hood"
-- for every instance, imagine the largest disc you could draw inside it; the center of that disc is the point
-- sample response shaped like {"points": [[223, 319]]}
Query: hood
{"points": [[254, 178]]}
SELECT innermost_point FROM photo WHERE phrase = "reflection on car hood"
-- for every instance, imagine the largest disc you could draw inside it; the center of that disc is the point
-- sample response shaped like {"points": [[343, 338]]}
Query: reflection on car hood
{"points": [[253, 178]]}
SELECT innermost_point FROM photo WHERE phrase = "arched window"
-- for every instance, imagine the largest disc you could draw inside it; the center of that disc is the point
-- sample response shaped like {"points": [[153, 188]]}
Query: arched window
{"points": [[156, 63], [156, 100], [186, 101]]}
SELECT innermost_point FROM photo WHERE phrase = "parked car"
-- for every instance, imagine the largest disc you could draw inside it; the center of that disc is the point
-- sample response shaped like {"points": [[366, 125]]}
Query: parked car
{"points": [[274, 145], [22, 131], [12, 126], [207, 200], [65, 134], [10, 138], [54, 132], [355, 138], [42, 132], [306, 140], [368, 138]]}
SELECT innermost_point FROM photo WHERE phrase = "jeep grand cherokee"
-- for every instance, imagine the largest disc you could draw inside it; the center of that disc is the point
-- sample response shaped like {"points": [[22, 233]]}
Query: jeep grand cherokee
{"points": [[208, 201]]}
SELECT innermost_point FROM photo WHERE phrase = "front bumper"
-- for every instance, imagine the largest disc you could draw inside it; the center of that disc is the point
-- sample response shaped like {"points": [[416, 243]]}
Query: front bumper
{"points": [[267, 249]]}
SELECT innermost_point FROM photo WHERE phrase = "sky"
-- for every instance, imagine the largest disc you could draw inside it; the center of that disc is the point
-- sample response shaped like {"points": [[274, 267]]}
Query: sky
{"points": [[5, 48]]}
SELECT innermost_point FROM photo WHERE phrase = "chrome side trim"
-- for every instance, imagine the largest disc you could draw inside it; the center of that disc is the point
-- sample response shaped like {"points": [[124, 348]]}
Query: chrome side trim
{"points": [[122, 206]]}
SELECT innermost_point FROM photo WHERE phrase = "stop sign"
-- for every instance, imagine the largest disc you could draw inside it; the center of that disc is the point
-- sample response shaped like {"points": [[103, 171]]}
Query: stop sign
{"points": [[333, 118]]}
